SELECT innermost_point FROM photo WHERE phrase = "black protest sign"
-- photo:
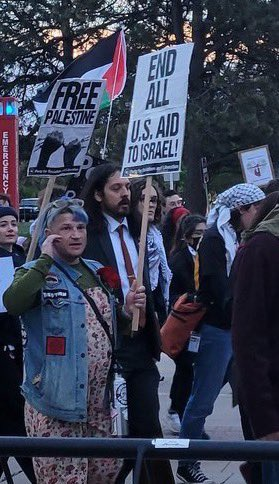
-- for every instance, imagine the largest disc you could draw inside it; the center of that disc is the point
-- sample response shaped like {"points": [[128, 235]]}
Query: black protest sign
{"points": [[156, 128], [78, 182], [66, 128]]}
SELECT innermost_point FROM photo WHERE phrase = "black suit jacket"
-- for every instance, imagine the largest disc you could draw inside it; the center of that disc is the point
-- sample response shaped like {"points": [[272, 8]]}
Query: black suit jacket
{"points": [[139, 350]]}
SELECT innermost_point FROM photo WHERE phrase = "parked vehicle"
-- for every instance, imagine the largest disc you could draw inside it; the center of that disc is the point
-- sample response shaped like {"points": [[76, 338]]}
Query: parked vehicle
{"points": [[28, 209]]}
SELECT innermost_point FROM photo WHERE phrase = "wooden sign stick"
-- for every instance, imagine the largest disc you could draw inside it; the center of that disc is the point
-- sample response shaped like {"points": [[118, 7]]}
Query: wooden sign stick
{"points": [[46, 199], [142, 244]]}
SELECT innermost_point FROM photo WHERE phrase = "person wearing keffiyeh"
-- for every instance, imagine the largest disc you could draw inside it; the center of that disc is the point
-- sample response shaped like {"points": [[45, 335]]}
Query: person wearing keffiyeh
{"points": [[255, 332], [232, 212], [237, 202]]}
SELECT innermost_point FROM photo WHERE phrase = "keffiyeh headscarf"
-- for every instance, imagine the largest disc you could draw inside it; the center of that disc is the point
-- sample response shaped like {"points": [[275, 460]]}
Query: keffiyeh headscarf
{"points": [[157, 262], [235, 197]]}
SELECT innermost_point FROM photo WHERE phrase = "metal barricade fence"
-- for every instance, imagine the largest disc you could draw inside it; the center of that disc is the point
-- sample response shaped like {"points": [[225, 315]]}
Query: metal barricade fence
{"points": [[139, 449]]}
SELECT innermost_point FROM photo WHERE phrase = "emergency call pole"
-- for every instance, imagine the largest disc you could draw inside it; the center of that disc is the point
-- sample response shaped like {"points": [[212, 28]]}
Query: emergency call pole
{"points": [[9, 148], [205, 180]]}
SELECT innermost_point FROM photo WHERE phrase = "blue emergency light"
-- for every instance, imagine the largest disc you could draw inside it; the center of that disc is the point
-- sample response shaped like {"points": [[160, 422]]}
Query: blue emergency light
{"points": [[11, 108]]}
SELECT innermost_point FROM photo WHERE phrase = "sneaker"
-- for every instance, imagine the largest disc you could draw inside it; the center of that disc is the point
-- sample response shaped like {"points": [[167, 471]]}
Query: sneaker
{"points": [[173, 422], [192, 474]]}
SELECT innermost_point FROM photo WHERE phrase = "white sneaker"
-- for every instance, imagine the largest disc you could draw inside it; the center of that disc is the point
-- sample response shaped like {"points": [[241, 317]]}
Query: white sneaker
{"points": [[173, 422]]}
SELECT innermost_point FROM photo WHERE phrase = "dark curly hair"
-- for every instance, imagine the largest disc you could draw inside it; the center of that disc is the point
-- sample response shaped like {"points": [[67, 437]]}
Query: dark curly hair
{"points": [[97, 182]]}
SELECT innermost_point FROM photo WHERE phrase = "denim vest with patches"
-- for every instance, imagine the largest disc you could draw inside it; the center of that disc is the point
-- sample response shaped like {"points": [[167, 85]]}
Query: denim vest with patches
{"points": [[55, 356]]}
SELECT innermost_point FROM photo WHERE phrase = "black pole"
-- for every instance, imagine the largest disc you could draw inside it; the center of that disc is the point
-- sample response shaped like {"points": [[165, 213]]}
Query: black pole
{"points": [[139, 463], [128, 448]]}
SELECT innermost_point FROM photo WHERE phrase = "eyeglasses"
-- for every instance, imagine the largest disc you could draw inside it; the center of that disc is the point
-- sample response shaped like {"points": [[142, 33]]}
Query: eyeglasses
{"points": [[66, 202], [176, 203], [152, 199]]}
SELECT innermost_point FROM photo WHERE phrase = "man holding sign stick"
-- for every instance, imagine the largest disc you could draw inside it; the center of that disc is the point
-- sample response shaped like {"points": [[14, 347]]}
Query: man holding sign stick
{"points": [[154, 146], [111, 243]]}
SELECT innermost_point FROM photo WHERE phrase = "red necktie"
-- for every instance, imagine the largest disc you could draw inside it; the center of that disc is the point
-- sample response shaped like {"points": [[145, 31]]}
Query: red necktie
{"points": [[126, 256]]}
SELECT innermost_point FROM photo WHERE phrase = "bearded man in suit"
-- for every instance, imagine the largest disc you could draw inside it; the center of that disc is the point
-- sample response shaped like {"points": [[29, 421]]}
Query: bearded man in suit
{"points": [[108, 204]]}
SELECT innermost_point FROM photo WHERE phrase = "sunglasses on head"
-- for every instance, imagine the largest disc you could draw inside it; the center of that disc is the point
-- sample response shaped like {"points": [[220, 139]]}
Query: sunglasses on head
{"points": [[63, 203]]}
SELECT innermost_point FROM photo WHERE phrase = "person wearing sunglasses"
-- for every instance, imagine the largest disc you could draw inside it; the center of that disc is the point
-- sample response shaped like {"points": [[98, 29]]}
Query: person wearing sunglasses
{"points": [[68, 315]]}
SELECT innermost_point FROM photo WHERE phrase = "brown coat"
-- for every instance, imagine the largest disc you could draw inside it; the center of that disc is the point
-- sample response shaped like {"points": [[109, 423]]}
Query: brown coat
{"points": [[255, 330]]}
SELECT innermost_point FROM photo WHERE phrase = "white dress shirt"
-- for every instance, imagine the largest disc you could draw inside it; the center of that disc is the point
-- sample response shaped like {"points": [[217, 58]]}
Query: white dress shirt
{"points": [[116, 244]]}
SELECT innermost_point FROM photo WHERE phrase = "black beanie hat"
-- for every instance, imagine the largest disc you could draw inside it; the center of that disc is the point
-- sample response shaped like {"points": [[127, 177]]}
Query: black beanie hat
{"points": [[4, 211]]}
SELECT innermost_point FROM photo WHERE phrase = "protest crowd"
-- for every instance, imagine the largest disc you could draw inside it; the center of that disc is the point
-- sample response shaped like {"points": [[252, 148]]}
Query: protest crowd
{"points": [[118, 270], [75, 302]]}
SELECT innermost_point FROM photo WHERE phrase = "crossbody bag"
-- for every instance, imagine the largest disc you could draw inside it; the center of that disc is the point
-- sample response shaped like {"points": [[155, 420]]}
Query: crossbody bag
{"points": [[119, 412]]}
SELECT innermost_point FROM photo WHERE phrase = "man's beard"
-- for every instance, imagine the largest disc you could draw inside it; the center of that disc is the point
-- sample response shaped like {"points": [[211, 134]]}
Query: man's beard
{"points": [[124, 207], [121, 210]]}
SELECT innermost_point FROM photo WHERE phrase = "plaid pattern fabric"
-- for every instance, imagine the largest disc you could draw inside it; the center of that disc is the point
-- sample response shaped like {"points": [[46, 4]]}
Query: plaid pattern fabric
{"points": [[237, 196], [240, 195]]}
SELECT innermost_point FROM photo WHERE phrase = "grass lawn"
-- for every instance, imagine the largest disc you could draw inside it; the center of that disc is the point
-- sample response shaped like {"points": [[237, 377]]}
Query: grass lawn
{"points": [[23, 228]]}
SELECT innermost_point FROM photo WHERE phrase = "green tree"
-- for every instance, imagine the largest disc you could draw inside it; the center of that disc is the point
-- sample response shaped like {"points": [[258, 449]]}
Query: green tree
{"points": [[233, 85], [38, 38], [230, 106]]}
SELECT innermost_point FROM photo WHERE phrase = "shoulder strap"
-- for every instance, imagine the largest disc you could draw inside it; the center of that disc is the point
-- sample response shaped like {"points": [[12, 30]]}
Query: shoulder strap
{"points": [[91, 301]]}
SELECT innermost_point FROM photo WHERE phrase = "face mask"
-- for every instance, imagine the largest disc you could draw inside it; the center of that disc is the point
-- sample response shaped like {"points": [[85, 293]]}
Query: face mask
{"points": [[196, 242]]}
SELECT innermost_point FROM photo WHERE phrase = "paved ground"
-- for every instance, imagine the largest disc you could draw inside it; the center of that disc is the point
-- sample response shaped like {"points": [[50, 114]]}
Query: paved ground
{"points": [[223, 424]]}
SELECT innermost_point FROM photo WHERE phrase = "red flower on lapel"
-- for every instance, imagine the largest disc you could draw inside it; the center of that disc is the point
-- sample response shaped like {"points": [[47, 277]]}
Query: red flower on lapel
{"points": [[109, 277]]}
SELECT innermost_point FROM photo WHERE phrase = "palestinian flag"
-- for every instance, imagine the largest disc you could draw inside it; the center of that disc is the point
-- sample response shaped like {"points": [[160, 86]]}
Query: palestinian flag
{"points": [[105, 60]]}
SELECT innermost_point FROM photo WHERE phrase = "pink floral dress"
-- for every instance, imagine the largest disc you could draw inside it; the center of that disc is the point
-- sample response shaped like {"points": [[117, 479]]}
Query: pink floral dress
{"points": [[62, 470]]}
